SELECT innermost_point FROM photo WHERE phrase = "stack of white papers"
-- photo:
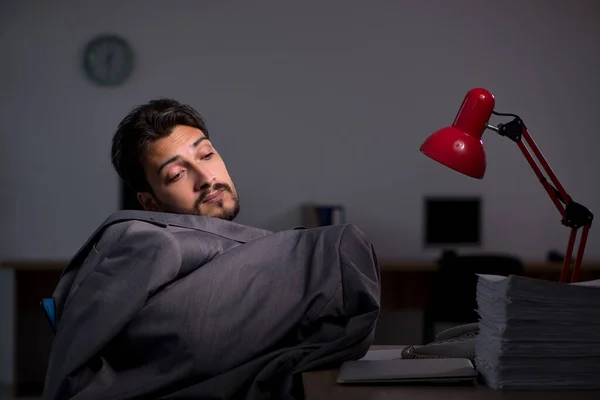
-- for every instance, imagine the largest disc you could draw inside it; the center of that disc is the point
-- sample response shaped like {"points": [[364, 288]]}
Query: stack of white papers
{"points": [[537, 334]]}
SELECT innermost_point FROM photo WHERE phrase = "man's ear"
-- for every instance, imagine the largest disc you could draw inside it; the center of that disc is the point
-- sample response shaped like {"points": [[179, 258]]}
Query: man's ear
{"points": [[148, 202]]}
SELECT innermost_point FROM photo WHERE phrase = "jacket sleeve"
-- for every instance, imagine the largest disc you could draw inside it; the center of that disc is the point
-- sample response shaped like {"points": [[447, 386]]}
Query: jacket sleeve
{"points": [[132, 261]]}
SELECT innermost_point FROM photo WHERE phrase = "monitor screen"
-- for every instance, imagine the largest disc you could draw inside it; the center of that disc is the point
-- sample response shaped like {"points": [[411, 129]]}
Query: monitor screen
{"points": [[452, 221]]}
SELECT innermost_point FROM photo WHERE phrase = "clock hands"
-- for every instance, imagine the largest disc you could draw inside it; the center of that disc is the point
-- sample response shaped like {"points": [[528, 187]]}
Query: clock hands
{"points": [[109, 61]]}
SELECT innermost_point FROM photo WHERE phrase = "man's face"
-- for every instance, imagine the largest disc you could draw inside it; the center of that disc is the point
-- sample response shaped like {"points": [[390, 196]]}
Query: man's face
{"points": [[188, 176]]}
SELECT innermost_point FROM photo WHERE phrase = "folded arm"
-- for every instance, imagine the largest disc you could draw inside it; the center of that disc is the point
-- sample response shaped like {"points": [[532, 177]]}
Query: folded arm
{"points": [[132, 260]]}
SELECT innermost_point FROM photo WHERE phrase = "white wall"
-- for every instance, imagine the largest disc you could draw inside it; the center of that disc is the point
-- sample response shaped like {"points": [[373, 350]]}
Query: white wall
{"points": [[308, 101]]}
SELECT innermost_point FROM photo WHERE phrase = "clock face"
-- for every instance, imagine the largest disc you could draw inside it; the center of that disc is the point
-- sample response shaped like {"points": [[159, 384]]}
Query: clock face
{"points": [[108, 60]]}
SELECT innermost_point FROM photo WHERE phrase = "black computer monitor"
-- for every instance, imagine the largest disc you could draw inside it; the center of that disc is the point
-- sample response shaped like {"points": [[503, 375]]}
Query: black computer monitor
{"points": [[452, 222]]}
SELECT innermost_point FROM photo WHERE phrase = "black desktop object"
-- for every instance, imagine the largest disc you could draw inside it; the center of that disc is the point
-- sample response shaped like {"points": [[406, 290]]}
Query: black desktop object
{"points": [[451, 223]]}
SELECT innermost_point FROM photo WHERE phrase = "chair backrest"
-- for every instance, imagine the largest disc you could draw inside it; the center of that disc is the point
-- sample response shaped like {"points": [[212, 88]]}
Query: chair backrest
{"points": [[49, 309]]}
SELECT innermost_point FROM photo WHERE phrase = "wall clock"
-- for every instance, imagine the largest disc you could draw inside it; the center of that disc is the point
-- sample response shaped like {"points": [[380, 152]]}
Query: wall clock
{"points": [[108, 60]]}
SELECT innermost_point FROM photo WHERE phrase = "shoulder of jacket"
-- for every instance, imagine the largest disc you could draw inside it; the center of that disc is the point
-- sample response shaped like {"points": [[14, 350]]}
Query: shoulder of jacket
{"points": [[147, 232]]}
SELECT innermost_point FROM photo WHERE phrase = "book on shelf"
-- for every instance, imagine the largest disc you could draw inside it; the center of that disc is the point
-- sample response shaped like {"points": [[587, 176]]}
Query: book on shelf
{"points": [[315, 215]]}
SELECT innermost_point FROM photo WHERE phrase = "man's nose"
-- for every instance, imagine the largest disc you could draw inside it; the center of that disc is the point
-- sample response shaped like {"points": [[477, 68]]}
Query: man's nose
{"points": [[203, 177]]}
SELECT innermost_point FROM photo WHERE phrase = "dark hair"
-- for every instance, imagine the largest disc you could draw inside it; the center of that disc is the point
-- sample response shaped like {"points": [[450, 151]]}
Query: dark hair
{"points": [[143, 126]]}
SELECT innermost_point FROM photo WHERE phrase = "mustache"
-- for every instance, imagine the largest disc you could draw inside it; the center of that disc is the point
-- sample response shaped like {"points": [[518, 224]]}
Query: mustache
{"points": [[217, 186]]}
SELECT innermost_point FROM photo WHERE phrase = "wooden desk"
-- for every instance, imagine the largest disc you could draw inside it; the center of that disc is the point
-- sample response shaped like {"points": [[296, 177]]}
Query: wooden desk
{"points": [[405, 285], [409, 285], [321, 385]]}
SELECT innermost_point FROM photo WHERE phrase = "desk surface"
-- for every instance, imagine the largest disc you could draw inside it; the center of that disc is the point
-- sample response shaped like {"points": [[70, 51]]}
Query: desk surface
{"points": [[321, 385], [530, 266]]}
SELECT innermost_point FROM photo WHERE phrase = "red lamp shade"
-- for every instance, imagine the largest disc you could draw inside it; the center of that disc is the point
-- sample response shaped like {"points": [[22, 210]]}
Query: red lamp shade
{"points": [[460, 146]]}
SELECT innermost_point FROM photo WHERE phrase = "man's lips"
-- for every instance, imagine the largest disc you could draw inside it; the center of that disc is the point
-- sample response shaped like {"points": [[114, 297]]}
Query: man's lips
{"points": [[214, 196]]}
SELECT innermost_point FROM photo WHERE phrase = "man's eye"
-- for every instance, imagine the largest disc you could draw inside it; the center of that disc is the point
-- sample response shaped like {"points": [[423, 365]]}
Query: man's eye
{"points": [[208, 156], [176, 177]]}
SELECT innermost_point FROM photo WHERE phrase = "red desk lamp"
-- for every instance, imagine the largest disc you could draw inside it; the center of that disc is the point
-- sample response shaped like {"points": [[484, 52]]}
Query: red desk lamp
{"points": [[460, 147]]}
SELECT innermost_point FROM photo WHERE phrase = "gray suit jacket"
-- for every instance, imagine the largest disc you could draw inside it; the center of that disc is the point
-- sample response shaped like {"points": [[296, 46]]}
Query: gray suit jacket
{"points": [[159, 305]]}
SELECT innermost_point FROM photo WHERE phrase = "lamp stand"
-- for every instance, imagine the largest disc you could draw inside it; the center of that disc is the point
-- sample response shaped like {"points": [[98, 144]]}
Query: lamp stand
{"points": [[574, 215]]}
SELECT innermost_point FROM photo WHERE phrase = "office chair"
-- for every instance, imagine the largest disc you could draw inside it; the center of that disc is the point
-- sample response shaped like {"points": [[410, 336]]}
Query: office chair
{"points": [[49, 310], [455, 286]]}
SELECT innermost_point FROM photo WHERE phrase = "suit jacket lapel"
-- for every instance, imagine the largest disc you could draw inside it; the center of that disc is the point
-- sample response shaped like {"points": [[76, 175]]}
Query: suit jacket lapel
{"points": [[226, 229]]}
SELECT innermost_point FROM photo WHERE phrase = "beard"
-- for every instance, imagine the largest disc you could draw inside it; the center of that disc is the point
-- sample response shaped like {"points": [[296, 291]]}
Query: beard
{"points": [[227, 214], [230, 213]]}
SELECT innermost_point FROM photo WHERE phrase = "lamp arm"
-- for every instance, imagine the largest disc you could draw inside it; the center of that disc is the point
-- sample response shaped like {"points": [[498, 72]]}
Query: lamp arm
{"points": [[574, 215]]}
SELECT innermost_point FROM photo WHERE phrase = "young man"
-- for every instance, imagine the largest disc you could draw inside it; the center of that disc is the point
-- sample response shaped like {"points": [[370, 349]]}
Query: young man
{"points": [[163, 151], [180, 302]]}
